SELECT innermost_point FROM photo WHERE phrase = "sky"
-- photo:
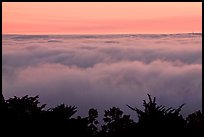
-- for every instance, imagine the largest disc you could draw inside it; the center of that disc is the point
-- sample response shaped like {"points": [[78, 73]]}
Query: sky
{"points": [[101, 17]]}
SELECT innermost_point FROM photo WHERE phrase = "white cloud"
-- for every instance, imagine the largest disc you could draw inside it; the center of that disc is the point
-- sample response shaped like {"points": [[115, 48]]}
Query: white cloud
{"points": [[91, 72]]}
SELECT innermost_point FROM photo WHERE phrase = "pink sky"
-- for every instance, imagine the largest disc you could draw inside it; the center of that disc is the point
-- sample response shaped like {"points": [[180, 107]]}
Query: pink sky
{"points": [[101, 17]]}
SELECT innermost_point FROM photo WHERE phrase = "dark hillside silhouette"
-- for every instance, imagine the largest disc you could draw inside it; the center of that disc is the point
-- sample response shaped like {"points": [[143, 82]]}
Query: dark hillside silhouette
{"points": [[25, 116]]}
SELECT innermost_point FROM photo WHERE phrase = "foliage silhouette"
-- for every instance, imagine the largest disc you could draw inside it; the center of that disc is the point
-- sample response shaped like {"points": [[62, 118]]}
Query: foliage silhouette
{"points": [[23, 108], [195, 123], [116, 123], [25, 114], [63, 112], [156, 117], [92, 121]]}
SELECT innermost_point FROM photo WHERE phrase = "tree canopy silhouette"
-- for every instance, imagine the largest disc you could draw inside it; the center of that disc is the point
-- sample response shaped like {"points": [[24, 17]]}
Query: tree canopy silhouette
{"points": [[116, 123], [25, 114], [157, 117]]}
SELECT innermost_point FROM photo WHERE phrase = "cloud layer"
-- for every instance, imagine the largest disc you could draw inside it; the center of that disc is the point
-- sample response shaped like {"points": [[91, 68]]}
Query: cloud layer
{"points": [[103, 71]]}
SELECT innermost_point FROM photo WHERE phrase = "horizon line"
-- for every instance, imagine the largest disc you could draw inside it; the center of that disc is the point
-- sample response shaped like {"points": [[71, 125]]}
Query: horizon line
{"points": [[99, 33]]}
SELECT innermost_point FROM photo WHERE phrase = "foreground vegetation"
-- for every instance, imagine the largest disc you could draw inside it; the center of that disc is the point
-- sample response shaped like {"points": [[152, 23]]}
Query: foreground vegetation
{"points": [[25, 116]]}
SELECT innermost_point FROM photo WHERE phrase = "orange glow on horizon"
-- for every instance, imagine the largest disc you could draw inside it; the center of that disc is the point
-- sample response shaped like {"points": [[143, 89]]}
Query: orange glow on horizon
{"points": [[101, 17]]}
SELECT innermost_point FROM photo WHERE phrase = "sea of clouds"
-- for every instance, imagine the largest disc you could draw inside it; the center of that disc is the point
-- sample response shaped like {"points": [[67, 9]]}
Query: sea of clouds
{"points": [[101, 71]]}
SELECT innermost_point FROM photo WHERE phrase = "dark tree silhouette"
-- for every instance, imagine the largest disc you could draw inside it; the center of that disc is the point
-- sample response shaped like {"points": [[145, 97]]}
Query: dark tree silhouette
{"points": [[85, 127], [63, 111], [23, 108], [155, 118], [92, 121], [21, 115], [116, 123], [195, 123]]}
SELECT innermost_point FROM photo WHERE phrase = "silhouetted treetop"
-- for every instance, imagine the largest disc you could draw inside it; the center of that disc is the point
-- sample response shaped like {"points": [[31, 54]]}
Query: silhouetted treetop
{"points": [[25, 114], [158, 117], [63, 111], [116, 123], [24, 107]]}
